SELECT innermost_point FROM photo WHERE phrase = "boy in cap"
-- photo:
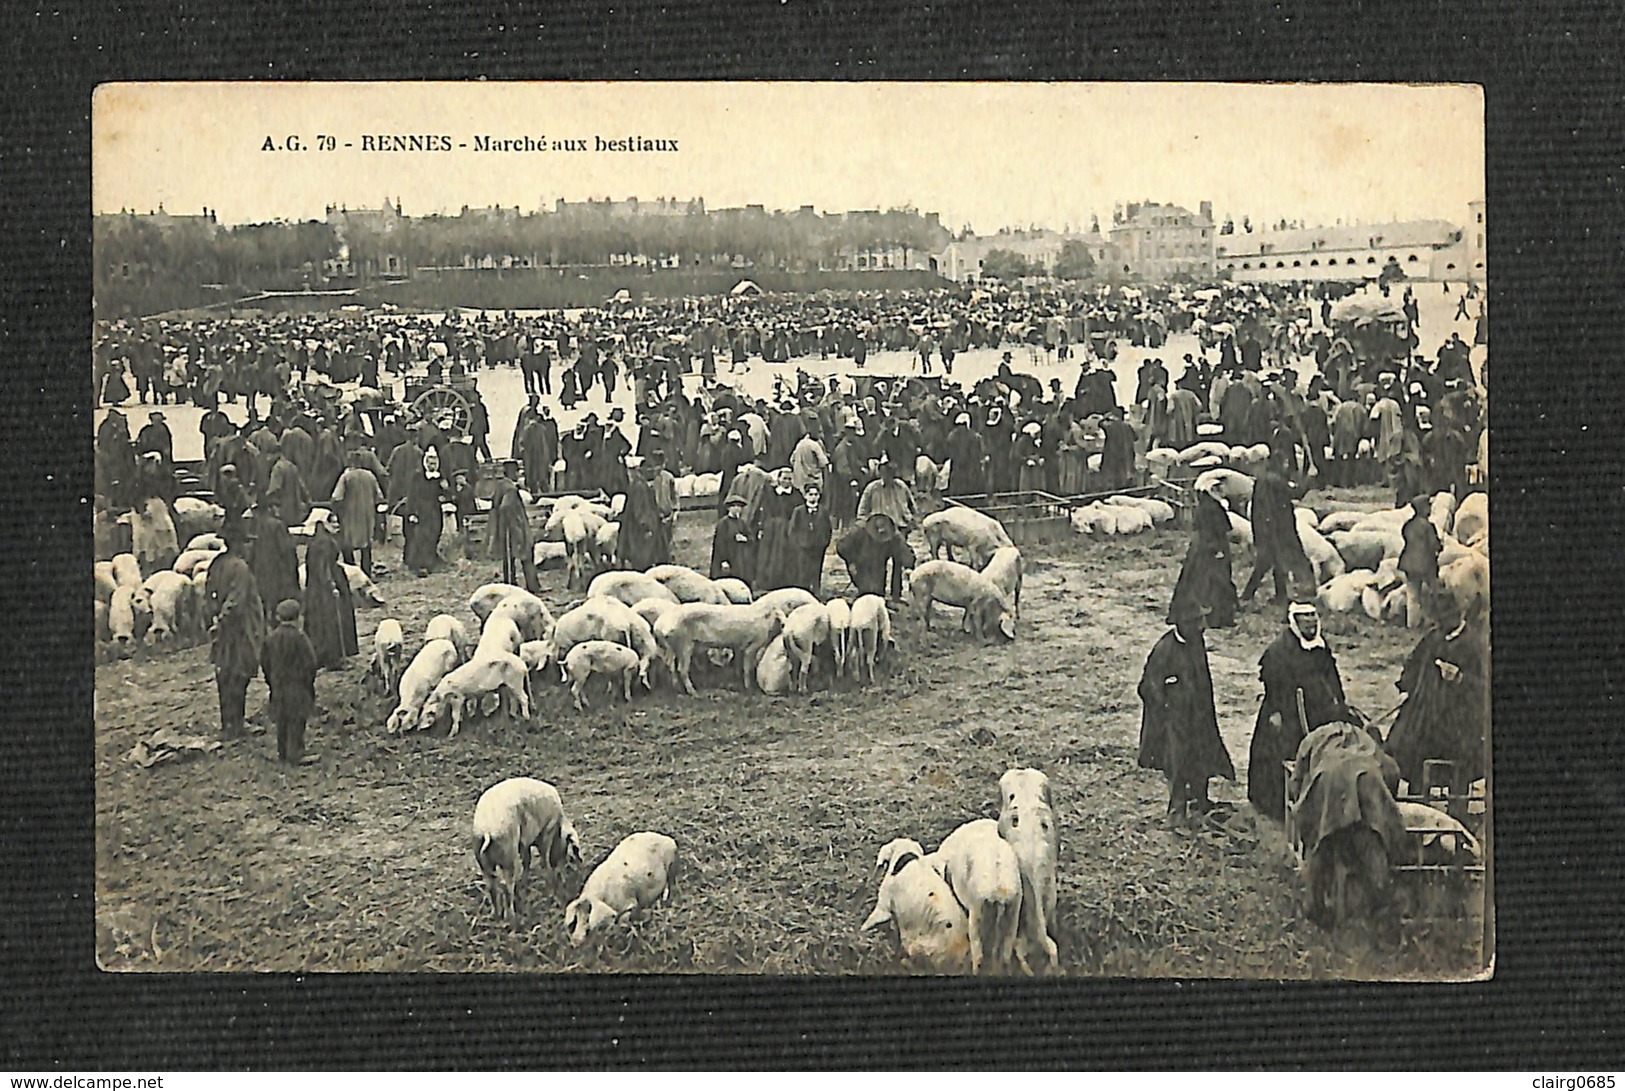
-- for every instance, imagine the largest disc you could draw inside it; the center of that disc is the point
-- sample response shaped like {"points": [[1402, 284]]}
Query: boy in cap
{"points": [[289, 664], [733, 546]]}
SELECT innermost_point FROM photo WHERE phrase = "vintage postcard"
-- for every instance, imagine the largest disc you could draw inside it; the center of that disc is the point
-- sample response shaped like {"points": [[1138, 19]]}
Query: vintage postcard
{"points": [[864, 528]]}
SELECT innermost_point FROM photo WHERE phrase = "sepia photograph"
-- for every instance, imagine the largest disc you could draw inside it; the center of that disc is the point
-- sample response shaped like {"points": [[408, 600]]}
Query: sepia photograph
{"points": [[1007, 529]]}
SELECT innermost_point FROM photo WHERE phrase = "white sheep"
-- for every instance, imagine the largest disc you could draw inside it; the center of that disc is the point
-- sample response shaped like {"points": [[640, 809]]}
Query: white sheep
{"points": [[601, 657], [870, 636], [433, 662], [914, 896], [985, 874], [388, 656], [637, 874], [804, 629], [738, 591], [446, 627], [840, 631], [512, 819]]}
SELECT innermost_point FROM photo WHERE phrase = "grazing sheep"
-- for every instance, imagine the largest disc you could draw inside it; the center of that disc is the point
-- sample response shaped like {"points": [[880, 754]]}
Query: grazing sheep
{"points": [[512, 819], [1004, 569], [1027, 821], [987, 610], [602, 657], [388, 656], [446, 627], [495, 672], [840, 632], [738, 591], [688, 585], [966, 529], [637, 874], [985, 874], [433, 662], [871, 635], [913, 895], [804, 629]]}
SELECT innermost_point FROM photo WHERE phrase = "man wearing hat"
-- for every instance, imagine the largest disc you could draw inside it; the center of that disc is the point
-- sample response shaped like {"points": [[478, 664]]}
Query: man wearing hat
{"points": [[1279, 549], [733, 544], [892, 498], [1302, 691], [1179, 726], [289, 664]]}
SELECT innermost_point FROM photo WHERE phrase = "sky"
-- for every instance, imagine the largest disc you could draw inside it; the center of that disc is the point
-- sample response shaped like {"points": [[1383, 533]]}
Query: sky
{"points": [[986, 155]]}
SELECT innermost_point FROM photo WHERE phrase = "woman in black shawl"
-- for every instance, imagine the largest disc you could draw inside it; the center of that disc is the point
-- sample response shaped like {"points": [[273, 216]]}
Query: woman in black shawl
{"points": [[1205, 576], [422, 517], [1179, 726], [329, 609], [1445, 682], [238, 639], [1296, 661], [777, 563]]}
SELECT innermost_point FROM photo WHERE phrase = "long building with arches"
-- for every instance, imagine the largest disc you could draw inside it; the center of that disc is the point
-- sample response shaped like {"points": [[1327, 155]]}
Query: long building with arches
{"points": [[1423, 249]]}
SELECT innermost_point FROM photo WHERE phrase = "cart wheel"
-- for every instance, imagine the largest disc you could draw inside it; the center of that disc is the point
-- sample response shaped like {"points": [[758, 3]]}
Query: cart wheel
{"points": [[446, 407]]}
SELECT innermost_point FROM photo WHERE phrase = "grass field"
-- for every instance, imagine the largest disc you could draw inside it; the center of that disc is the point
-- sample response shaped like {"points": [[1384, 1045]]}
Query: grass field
{"points": [[361, 860]]}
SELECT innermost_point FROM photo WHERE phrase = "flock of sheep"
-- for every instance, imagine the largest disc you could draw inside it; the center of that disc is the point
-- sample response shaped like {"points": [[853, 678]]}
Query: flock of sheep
{"points": [[1354, 554], [984, 900]]}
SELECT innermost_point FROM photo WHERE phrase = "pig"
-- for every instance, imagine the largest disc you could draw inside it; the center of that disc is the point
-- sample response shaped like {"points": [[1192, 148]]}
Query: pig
{"points": [[527, 611], [489, 596], [512, 819], [211, 542], [190, 561], [984, 872], [785, 599], [747, 630], [1472, 520], [499, 637], [805, 628], [1027, 822], [931, 925], [1233, 487], [688, 585], [986, 608], [629, 587], [773, 674]]}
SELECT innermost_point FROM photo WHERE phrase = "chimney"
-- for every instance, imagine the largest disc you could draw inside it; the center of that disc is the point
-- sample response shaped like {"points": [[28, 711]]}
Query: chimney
{"points": [[1207, 211]]}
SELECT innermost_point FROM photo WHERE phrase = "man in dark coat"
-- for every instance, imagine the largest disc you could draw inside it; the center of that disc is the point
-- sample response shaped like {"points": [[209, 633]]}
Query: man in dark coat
{"points": [[1179, 727], [271, 554], [1445, 682], [810, 532], [777, 564], [1205, 577], [329, 608], [635, 545], [967, 456], [289, 663], [510, 532], [1117, 456], [286, 487], [1419, 557], [1296, 662], [733, 544], [539, 450], [872, 544], [238, 636], [1275, 529]]}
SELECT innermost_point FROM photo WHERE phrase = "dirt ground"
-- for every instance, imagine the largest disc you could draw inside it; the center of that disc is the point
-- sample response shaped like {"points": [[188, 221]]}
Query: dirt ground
{"points": [[361, 860]]}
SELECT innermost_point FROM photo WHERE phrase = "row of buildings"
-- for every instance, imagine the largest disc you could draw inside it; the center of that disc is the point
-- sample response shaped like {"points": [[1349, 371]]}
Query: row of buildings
{"points": [[1146, 241], [1158, 242]]}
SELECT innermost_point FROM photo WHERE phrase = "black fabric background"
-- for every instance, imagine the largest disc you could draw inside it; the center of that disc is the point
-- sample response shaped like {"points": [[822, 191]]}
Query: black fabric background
{"points": [[1553, 101]]}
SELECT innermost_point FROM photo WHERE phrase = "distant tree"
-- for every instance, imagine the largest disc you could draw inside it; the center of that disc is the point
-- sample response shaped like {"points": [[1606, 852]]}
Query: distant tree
{"points": [[1008, 265], [1075, 261]]}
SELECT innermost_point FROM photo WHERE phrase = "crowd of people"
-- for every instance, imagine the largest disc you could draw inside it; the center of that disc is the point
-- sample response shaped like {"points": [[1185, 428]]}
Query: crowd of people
{"points": [[821, 461]]}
